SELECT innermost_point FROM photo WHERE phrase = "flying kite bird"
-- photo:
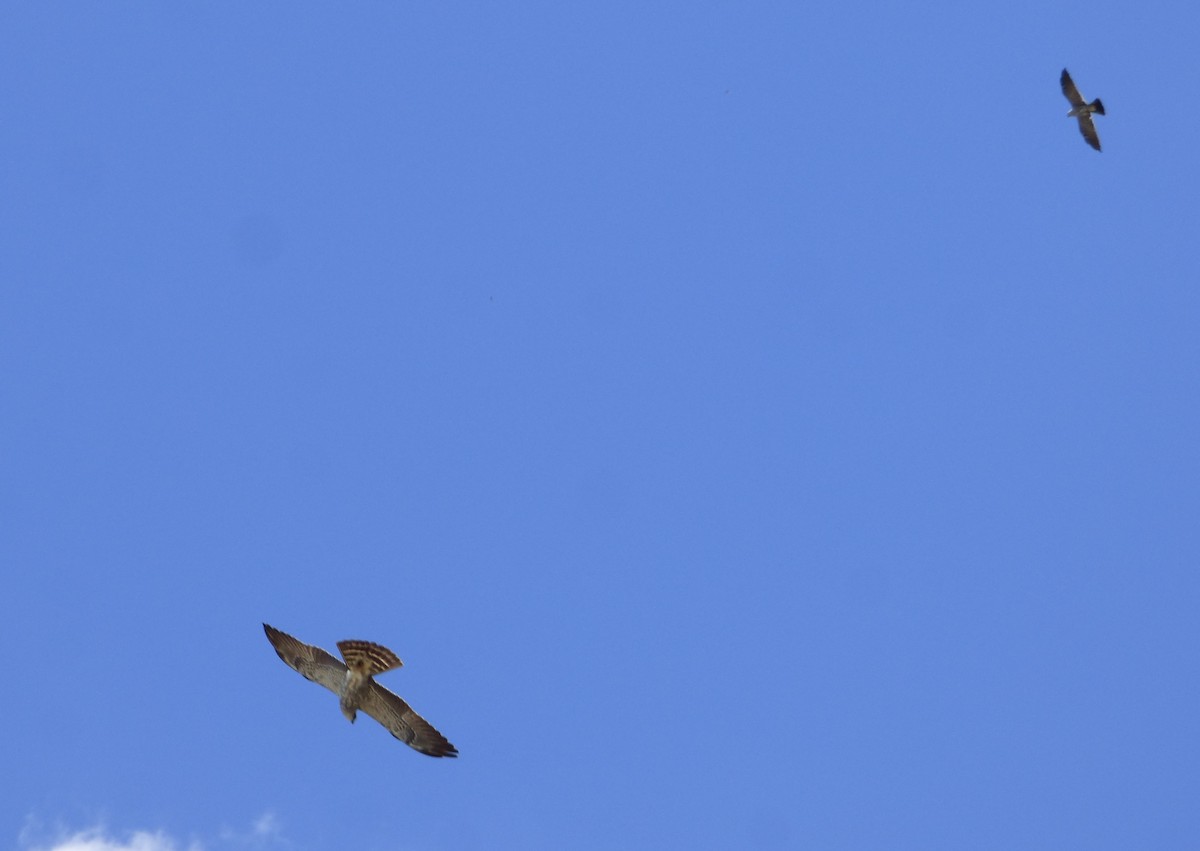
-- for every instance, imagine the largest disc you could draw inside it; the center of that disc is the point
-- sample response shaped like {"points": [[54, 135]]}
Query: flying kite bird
{"points": [[1082, 110], [353, 683]]}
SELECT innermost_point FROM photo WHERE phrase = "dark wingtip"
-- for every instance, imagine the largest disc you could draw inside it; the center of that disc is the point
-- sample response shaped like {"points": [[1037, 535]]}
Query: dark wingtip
{"points": [[274, 636]]}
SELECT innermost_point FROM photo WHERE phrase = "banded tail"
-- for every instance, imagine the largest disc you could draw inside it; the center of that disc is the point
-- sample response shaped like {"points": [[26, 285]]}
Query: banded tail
{"points": [[367, 657]]}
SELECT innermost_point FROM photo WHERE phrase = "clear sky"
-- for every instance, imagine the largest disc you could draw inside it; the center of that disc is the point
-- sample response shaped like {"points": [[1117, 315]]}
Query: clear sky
{"points": [[755, 425]]}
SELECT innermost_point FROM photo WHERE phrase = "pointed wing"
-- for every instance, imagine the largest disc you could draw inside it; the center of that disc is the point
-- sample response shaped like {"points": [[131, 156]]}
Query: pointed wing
{"points": [[1072, 93], [1088, 128], [392, 712], [312, 662], [368, 658]]}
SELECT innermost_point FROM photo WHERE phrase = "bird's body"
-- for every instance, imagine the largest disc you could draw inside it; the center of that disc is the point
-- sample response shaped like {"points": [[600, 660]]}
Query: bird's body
{"points": [[364, 659], [352, 692], [1081, 110], [354, 684]]}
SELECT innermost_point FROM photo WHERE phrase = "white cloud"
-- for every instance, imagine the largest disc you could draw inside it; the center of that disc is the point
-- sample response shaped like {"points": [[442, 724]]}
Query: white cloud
{"points": [[263, 832], [96, 840]]}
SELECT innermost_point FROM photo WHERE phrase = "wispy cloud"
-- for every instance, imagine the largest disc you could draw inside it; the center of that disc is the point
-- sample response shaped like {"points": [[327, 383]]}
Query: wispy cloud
{"points": [[264, 832], [96, 839]]}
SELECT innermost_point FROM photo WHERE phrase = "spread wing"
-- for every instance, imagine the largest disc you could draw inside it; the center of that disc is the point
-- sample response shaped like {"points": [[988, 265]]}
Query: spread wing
{"points": [[313, 662], [392, 712], [1072, 93], [1088, 128]]}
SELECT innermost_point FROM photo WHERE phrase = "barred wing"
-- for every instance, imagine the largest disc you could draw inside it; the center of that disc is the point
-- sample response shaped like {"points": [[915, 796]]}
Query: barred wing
{"points": [[312, 662], [392, 712]]}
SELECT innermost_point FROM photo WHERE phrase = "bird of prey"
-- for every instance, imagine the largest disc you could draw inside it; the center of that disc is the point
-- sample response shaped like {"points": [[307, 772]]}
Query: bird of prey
{"points": [[1082, 110], [354, 685]]}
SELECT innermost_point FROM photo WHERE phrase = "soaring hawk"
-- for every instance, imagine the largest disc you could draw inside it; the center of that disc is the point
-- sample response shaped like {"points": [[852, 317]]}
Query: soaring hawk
{"points": [[353, 683], [1082, 110]]}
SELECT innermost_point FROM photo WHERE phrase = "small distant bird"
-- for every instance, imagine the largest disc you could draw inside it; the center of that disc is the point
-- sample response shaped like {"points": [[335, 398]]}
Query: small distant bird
{"points": [[353, 683], [1082, 110]]}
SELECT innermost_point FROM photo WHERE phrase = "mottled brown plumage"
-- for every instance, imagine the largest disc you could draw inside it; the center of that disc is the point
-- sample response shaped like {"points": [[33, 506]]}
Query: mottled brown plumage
{"points": [[356, 689]]}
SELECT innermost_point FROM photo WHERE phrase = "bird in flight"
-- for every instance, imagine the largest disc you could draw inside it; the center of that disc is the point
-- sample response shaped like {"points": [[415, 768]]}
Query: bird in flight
{"points": [[1082, 110], [354, 684]]}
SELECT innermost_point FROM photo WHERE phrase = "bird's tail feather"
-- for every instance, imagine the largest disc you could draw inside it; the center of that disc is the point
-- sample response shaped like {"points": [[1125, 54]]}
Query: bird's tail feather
{"points": [[1097, 106], [368, 657]]}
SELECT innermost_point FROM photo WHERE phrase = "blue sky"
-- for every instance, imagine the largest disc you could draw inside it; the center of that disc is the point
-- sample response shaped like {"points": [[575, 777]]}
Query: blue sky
{"points": [[763, 425]]}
